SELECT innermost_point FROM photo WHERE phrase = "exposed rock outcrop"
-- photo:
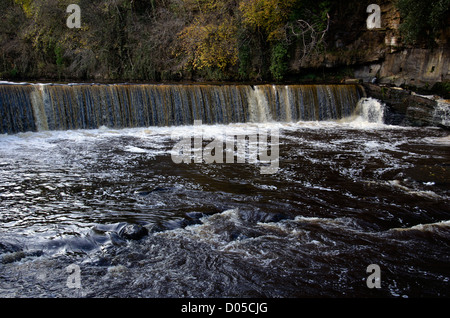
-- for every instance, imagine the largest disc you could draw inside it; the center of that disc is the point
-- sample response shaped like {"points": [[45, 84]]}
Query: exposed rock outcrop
{"points": [[380, 53], [411, 67], [407, 108]]}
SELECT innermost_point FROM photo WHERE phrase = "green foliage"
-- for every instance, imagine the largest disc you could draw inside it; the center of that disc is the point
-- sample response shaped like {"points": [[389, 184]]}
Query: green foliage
{"points": [[161, 39], [422, 20], [308, 77], [59, 60], [209, 45], [14, 72], [153, 40], [279, 61], [26, 5], [269, 15], [442, 89], [244, 62], [253, 57], [59, 56]]}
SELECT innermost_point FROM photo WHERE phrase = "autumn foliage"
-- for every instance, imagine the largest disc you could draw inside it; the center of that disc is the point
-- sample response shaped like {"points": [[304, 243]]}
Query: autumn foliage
{"points": [[154, 39]]}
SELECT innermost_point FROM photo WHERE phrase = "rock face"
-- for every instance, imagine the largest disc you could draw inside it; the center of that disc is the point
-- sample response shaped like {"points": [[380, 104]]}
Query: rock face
{"points": [[406, 108], [380, 53], [412, 67], [379, 56]]}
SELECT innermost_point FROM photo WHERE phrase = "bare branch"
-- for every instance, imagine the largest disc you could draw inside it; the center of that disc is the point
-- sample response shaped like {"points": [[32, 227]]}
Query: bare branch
{"points": [[310, 35]]}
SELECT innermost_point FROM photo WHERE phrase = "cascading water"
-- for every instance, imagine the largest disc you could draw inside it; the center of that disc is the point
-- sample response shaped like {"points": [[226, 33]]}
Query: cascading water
{"points": [[16, 110], [370, 110], [348, 192], [441, 114], [258, 106], [64, 107]]}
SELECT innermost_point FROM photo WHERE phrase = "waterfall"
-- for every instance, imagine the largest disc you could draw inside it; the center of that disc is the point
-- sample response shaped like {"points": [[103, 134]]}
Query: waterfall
{"points": [[16, 111], [370, 110], [38, 104], [441, 115], [259, 105], [302, 102], [37, 107]]}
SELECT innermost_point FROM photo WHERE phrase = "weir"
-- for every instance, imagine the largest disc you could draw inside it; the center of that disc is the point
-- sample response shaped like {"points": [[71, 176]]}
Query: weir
{"points": [[39, 107]]}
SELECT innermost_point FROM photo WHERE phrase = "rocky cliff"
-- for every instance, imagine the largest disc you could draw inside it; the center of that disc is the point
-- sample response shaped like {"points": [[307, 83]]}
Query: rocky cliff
{"points": [[381, 53], [408, 108], [391, 70]]}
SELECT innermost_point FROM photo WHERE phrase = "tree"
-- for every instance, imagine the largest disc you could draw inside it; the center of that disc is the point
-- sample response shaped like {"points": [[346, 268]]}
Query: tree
{"points": [[209, 45], [286, 23], [269, 15], [159, 39], [210, 40], [423, 20]]}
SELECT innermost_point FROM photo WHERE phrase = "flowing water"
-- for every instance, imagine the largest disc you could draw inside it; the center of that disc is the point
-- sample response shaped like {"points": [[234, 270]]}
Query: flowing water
{"points": [[79, 164]]}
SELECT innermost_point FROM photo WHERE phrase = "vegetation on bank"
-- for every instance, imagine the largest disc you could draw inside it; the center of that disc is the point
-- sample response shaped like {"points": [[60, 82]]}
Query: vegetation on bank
{"points": [[423, 20], [153, 40]]}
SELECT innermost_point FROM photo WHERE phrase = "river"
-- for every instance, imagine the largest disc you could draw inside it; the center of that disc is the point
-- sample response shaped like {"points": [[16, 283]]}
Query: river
{"points": [[347, 193]]}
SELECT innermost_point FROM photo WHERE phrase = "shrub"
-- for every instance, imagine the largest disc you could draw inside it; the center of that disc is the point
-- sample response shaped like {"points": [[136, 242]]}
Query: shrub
{"points": [[423, 20]]}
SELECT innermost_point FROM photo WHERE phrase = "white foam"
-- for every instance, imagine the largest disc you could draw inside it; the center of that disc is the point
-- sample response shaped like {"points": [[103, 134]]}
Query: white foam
{"points": [[438, 140], [369, 114], [422, 193], [135, 149], [13, 83], [441, 113], [258, 106], [425, 227]]}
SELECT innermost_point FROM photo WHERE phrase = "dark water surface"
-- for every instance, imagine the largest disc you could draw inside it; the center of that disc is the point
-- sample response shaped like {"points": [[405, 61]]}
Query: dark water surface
{"points": [[346, 195]]}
